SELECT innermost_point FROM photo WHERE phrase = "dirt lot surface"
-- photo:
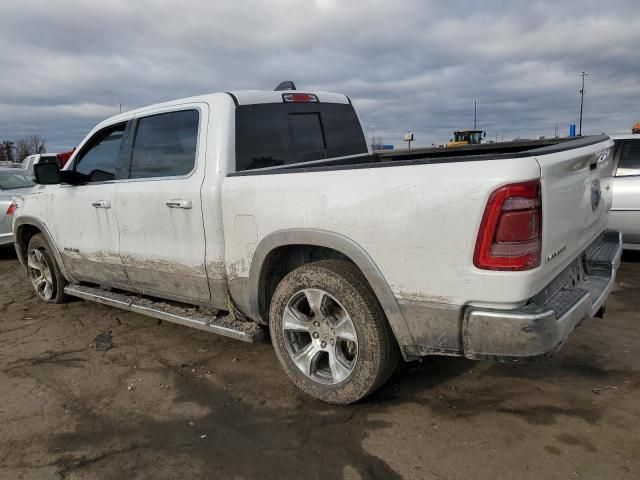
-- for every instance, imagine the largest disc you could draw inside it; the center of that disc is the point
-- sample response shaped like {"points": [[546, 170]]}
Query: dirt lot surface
{"points": [[171, 402]]}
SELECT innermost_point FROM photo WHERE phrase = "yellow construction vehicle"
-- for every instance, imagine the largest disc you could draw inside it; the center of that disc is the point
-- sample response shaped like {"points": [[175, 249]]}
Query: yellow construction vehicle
{"points": [[466, 137]]}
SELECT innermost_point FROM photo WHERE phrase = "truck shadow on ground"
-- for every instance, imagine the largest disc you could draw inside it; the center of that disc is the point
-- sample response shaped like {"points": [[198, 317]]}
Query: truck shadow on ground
{"points": [[452, 389], [237, 439], [7, 252], [242, 438], [631, 256]]}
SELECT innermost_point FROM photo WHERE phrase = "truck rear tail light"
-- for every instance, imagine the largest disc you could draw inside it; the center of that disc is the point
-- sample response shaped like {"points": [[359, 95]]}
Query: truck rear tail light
{"points": [[299, 98], [12, 208], [510, 235]]}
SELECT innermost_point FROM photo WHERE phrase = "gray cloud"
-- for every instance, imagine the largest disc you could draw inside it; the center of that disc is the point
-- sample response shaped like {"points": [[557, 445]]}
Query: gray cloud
{"points": [[406, 64]]}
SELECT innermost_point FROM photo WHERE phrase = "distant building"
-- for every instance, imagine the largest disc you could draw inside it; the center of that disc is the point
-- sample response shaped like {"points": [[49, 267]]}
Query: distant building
{"points": [[382, 147]]}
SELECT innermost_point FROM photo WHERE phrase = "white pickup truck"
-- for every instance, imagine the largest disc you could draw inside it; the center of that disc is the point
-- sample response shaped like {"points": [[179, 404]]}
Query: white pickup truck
{"points": [[265, 211]]}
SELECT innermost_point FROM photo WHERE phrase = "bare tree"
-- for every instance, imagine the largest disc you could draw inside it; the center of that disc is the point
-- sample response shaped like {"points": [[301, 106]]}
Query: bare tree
{"points": [[36, 144], [6, 151], [22, 149], [29, 146]]}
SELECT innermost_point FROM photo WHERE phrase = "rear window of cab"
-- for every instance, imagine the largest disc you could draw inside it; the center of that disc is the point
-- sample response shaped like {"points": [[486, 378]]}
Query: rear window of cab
{"points": [[273, 134]]}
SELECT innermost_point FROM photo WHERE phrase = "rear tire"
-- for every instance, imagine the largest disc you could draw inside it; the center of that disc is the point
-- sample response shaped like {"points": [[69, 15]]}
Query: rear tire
{"points": [[330, 333], [45, 275]]}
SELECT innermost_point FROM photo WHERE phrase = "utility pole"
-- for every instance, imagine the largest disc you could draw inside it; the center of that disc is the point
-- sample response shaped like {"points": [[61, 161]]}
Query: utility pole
{"points": [[373, 136], [582, 74], [475, 112], [556, 131]]}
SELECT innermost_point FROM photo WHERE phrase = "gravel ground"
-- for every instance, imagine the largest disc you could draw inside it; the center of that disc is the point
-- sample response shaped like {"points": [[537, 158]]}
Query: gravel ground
{"points": [[172, 402]]}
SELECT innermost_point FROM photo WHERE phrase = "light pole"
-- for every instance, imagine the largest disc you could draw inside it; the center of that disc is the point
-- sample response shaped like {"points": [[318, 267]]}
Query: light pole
{"points": [[582, 74], [475, 113], [408, 137], [373, 136]]}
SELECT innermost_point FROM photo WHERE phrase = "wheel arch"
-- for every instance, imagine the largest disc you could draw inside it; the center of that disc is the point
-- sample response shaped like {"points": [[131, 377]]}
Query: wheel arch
{"points": [[332, 245], [26, 227]]}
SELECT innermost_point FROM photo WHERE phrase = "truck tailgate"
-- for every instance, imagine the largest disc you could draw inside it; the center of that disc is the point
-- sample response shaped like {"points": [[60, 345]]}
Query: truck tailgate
{"points": [[576, 199]]}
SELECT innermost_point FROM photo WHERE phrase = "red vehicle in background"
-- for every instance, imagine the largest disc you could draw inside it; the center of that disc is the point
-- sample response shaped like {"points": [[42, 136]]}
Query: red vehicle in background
{"points": [[64, 157]]}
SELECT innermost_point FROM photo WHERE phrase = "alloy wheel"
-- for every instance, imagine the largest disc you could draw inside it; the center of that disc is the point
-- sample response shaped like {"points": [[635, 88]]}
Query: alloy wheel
{"points": [[320, 337], [40, 274]]}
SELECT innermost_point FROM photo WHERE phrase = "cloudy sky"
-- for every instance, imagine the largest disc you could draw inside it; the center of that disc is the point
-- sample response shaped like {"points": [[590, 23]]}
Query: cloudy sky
{"points": [[406, 64]]}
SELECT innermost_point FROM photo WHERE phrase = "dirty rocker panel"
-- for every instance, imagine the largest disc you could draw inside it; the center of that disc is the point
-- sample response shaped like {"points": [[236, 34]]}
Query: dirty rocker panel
{"points": [[183, 315]]}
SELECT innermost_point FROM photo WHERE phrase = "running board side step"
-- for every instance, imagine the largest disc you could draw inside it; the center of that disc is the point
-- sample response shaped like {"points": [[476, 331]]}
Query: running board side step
{"points": [[189, 316]]}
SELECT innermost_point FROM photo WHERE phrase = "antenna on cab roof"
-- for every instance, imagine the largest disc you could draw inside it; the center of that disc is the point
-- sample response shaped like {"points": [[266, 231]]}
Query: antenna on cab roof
{"points": [[286, 85]]}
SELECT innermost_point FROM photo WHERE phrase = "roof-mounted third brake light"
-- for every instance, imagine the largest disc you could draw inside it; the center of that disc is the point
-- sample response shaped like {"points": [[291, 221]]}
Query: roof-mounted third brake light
{"points": [[299, 98]]}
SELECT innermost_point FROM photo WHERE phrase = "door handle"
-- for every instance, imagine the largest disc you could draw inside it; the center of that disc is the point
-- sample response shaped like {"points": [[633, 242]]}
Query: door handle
{"points": [[102, 204], [186, 204]]}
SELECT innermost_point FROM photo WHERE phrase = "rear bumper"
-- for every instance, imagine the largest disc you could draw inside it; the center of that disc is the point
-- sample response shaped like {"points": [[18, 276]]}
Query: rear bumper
{"points": [[541, 327]]}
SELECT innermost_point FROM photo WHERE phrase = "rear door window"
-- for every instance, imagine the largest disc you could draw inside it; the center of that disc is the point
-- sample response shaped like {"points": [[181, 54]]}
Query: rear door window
{"points": [[274, 134], [629, 163], [165, 145]]}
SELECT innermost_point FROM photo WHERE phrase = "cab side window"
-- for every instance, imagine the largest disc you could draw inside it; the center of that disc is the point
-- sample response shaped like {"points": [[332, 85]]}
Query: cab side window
{"points": [[165, 145], [629, 163], [100, 159]]}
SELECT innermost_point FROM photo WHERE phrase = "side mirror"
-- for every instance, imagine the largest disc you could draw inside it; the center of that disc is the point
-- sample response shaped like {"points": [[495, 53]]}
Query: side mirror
{"points": [[47, 174], [484, 135]]}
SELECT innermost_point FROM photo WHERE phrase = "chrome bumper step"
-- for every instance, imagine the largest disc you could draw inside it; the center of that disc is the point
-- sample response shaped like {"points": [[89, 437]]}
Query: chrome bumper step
{"points": [[540, 327], [183, 315], [604, 251]]}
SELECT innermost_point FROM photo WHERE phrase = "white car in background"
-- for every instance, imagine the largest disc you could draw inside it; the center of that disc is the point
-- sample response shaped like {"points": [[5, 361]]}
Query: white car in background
{"points": [[625, 210], [31, 160], [13, 182]]}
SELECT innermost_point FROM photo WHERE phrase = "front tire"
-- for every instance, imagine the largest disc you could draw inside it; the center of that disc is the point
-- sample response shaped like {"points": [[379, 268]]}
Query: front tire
{"points": [[44, 273], [330, 333]]}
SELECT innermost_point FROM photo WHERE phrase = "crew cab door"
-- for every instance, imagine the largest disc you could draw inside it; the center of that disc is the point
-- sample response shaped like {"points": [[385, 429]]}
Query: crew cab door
{"points": [[162, 241], [83, 219]]}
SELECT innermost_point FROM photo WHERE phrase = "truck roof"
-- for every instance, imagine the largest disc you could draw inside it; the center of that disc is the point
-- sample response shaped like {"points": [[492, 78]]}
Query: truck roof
{"points": [[625, 136], [240, 97], [250, 97]]}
